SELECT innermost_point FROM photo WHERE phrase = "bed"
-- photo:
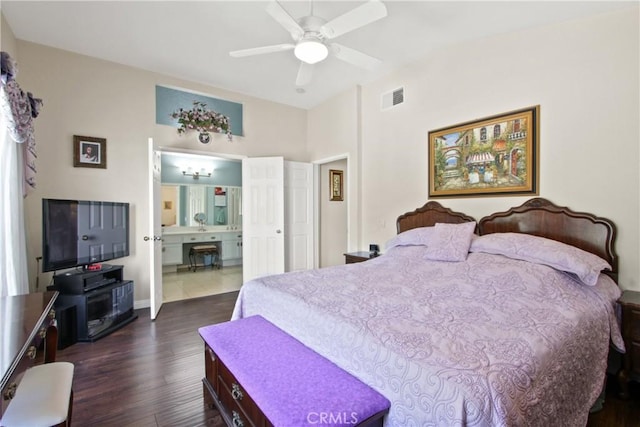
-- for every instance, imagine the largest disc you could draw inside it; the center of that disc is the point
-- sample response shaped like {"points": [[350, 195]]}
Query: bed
{"points": [[512, 329]]}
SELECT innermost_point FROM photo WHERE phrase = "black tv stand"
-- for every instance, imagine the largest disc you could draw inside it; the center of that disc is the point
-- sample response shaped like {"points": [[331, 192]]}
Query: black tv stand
{"points": [[103, 301], [79, 281]]}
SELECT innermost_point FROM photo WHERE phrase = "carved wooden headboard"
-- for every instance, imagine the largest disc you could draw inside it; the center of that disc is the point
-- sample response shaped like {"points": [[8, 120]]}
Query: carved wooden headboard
{"points": [[541, 217], [428, 215], [538, 217]]}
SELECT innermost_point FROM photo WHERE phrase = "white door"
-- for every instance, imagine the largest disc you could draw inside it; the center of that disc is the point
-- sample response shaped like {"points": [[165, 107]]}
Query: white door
{"points": [[154, 238], [262, 217], [299, 210]]}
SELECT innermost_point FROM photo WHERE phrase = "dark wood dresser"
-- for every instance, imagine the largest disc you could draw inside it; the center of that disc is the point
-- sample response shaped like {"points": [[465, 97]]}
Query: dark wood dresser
{"points": [[630, 304], [24, 320]]}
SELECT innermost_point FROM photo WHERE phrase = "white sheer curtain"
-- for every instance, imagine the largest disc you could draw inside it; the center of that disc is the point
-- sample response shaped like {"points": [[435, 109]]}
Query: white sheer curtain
{"points": [[13, 249], [17, 175]]}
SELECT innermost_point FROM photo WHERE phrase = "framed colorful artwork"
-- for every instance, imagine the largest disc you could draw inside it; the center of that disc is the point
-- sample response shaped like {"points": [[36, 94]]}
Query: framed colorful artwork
{"points": [[493, 156]]}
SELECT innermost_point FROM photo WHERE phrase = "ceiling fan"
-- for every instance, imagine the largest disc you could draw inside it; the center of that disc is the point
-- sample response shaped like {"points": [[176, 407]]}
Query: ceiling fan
{"points": [[311, 33]]}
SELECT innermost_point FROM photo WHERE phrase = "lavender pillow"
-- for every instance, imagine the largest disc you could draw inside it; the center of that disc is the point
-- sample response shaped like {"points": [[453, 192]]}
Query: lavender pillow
{"points": [[585, 265], [450, 242], [415, 237]]}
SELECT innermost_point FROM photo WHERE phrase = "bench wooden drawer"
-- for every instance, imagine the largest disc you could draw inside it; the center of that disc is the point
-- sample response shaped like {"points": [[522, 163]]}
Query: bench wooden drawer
{"points": [[230, 387], [231, 394]]}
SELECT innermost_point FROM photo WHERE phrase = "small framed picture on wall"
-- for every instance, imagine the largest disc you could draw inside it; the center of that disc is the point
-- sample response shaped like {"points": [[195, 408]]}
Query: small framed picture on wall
{"points": [[336, 185], [89, 152]]}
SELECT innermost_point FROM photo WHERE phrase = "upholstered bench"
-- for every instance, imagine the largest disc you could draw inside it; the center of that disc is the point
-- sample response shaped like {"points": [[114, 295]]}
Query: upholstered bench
{"points": [[257, 375], [44, 397], [202, 250]]}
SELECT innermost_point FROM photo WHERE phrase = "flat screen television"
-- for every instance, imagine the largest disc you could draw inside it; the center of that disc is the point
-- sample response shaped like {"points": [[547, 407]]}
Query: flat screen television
{"points": [[80, 232]]}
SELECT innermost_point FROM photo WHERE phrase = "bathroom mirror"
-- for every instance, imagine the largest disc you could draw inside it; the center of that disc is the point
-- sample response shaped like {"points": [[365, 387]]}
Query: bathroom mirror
{"points": [[220, 205]]}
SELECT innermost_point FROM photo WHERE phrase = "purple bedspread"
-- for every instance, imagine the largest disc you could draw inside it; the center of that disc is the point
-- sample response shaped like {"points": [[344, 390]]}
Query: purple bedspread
{"points": [[488, 341]]}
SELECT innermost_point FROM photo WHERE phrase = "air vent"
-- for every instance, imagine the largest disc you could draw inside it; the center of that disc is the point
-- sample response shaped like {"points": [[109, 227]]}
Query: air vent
{"points": [[392, 98]]}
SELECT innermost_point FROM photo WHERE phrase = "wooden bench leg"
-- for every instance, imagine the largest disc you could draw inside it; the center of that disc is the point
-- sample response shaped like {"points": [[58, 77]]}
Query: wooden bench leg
{"points": [[70, 409], [67, 422]]}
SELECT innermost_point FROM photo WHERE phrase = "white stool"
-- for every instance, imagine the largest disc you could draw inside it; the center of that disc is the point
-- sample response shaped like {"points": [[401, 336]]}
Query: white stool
{"points": [[44, 397]]}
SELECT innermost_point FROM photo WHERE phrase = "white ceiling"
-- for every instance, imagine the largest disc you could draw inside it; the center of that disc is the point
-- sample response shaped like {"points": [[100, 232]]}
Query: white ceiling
{"points": [[191, 39]]}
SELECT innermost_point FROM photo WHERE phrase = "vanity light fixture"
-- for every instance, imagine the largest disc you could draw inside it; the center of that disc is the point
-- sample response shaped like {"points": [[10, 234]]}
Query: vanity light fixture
{"points": [[196, 175]]}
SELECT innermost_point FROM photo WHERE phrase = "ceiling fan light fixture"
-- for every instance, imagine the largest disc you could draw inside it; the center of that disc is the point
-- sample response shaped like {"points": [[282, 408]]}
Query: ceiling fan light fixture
{"points": [[311, 51]]}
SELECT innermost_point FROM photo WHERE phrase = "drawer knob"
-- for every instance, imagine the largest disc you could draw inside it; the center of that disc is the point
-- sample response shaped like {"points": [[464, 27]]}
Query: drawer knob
{"points": [[236, 393], [236, 421], [10, 391], [31, 352]]}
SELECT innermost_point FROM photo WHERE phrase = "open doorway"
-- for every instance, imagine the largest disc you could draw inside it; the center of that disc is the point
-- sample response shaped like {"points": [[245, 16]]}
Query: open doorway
{"points": [[333, 224], [200, 206]]}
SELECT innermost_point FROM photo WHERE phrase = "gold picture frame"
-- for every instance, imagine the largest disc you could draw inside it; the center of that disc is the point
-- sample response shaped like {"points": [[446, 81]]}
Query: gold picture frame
{"points": [[494, 156], [336, 185], [89, 152]]}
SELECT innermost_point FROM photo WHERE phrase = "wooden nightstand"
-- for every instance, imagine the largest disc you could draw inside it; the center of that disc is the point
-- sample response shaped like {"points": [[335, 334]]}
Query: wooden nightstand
{"points": [[353, 257], [630, 304]]}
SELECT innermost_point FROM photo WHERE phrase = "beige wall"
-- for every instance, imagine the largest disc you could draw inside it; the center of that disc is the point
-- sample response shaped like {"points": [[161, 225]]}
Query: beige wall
{"points": [[334, 132], [89, 97], [583, 74], [7, 39]]}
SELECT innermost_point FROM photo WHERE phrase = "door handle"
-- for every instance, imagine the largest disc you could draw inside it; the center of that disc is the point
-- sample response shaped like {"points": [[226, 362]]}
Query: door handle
{"points": [[278, 231]]}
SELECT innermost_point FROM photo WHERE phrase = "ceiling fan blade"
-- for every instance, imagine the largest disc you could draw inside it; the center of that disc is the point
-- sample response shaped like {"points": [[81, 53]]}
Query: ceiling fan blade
{"points": [[354, 57], [360, 16], [261, 50], [305, 72], [278, 13]]}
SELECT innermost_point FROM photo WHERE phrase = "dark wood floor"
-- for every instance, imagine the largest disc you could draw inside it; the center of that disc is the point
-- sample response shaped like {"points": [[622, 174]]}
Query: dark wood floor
{"points": [[149, 373]]}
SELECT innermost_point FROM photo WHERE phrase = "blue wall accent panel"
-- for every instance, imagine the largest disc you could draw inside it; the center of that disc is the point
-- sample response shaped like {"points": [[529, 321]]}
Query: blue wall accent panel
{"points": [[225, 172], [170, 100]]}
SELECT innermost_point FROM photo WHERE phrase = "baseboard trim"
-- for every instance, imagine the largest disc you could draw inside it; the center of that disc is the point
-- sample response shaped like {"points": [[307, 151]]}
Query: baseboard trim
{"points": [[145, 303]]}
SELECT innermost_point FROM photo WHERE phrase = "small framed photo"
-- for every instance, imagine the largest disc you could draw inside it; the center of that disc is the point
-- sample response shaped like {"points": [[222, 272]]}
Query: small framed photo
{"points": [[336, 185], [89, 152]]}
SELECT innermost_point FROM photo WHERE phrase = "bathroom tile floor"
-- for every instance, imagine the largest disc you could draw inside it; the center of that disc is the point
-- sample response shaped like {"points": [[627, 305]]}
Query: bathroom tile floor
{"points": [[187, 284]]}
